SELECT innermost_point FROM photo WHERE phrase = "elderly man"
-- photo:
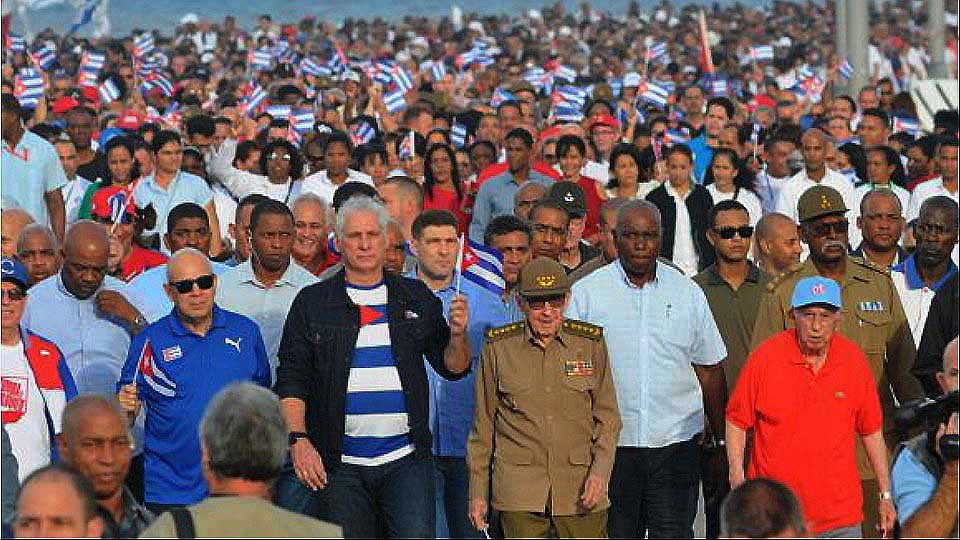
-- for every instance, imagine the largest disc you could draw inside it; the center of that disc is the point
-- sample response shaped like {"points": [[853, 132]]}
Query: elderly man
{"points": [[805, 392], [667, 356], [12, 223], [175, 366], [814, 146], [263, 287], [97, 443], [37, 249], [56, 502], [309, 248], [243, 441], [36, 381], [777, 245], [549, 469], [353, 384], [527, 195], [762, 508]]}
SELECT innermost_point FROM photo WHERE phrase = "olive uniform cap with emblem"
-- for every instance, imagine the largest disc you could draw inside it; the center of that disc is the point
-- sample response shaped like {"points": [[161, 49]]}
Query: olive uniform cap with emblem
{"points": [[570, 197], [820, 201], [543, 277]]}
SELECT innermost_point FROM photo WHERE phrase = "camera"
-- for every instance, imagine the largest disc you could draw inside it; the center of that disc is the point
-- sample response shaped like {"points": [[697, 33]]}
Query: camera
{"points": [[928, 414]]}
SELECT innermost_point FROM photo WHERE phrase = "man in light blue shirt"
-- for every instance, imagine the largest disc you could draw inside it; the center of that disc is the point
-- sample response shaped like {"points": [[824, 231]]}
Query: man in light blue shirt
{"points": [[666, 354], [187, 226], [30, 170], [495, 197], [263, 287], [452, 403]]}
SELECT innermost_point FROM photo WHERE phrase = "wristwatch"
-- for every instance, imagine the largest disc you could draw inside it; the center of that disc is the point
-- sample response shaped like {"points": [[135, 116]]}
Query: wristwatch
{"points": [[886, 496], [714, 443], [296, 436]]}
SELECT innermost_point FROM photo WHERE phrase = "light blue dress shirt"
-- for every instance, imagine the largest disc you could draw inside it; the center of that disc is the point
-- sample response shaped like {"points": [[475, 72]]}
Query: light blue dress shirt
{"points": [[452, 403], [911, 483], [29, 171], [654, 333], [185, 187], [240, 291], [151, 299], [495, 198], [702, 156]]}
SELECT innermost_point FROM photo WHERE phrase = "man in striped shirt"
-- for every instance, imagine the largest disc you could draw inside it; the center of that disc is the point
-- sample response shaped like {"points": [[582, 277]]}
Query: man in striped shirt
{"points": [[353, 385]]}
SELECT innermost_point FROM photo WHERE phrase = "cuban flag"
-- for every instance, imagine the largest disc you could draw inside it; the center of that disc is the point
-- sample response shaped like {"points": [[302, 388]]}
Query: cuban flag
{"points": [[310, 67], [394, 101], [656, 51], [279, 111], [338, 61], [437, 69], [260, 59], [381, 72], [654, 94], [408, 147], [402, 78], [362, 133], [539, 78], [500, 95], [155, 80], [846, 69], [755, 134], [143, 45], [16, 43], [93, 60], [145, 66], [28, 88], [458, 134], [44, 56], [254, 98], [906, 125], [85, 15], [761, 53], [302, 120], [152, 375], [675, 136], [109, 91], [571, 96], [565, 113], [565, 72], [482, 265], [718, 87], [87, 77], [118, 203]]}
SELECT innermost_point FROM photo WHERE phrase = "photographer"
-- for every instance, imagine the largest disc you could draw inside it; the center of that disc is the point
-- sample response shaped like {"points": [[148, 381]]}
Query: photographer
{"points": [[928, 508]]}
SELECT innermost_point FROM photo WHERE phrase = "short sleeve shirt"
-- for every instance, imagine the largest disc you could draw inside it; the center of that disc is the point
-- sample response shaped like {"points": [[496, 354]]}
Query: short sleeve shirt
{"points": [[29, 171], [185, 187]]}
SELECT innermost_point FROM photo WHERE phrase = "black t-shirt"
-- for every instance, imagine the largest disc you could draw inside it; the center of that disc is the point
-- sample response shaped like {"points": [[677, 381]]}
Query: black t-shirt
{"points": [[97, 168]]}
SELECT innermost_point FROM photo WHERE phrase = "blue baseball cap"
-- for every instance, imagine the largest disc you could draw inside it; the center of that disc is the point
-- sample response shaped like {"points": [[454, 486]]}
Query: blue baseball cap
{"points": [[15, 271], [816, 290]]}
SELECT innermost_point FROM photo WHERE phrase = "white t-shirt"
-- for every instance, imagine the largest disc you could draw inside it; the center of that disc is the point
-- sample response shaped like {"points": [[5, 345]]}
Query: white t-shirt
{"points": [[319, 184], [684, 252], [23, 409], [744, 196]]}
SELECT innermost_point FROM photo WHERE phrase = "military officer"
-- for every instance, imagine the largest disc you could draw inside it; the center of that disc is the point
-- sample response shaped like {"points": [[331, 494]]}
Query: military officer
{"points": [[547, 404], [872, 315]]}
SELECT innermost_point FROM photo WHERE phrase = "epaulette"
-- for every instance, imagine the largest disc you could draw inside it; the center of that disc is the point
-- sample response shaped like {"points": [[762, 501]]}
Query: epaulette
{"points": [[501, 332], [778, 279], [872, 266], [583, 329]]}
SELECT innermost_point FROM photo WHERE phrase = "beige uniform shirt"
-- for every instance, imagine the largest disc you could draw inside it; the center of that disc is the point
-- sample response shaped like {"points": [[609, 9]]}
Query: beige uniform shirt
{"points": [[546, 418]]}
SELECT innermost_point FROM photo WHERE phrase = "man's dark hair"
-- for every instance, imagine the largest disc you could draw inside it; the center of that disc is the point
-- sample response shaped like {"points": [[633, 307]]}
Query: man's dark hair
{"points": [[371, 149], [878, 113], [547, 202], [492, 147], [851, 101], [723, 102], [725, 206], [296, 160], [244, 149], [566, 142], [680, 149], [222, 121], [761, 508], [510, 103], [268, 207], [506, 224], [522, 134], [185, 210], [432, 218], [944, 203], [10, 105], [347, 190], [926, 144], [201, 124], [250, 200], [164, 137], [413, 112], [948, 141], [77, 481], [339, 137]]}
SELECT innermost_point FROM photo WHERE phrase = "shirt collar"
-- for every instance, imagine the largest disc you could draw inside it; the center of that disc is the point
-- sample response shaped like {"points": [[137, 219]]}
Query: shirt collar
{"points": [[912, 275], [714, 278], [219, 321], [247, 275], [63, 288], [626, 280], [529, 337]]}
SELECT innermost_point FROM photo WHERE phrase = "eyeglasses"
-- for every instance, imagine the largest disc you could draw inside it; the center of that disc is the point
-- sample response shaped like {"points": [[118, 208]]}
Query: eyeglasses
{"points": [[541, 304], [14, 295], [824, 229], [744, 231], [285, 157], [186, 285]]}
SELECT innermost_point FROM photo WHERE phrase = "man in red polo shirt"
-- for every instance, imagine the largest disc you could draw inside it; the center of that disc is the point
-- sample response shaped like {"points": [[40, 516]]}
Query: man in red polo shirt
{"points": [[807, 393], [113, 207]]}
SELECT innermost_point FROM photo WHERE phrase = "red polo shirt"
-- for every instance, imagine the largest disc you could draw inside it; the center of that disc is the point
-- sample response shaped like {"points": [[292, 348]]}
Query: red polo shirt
{"points": [[805, 424], [138, 261]]}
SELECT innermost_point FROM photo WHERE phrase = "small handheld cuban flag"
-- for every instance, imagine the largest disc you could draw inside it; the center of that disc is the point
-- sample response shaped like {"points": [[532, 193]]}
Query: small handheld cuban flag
{"points": [[16, 43], [254, 98], [500, 95], [394, 101], [458, 134], [437, 69], [44, 56], [845, 69], [761, 53], [565, 72], [143, 45], [156, 80], [539, 78], [656, 51], [755, 134], [362, 133], [279, 111], [109, 91], [408, 146], [87, 77], [302, 120], [480, 264], [310, 67], [260, 59], [570, 96], [28, 88], [718, 87], [673, 137], [566, 113], [906, 125], [654, 94], [402, 78], [93, 60], [118, 203]]}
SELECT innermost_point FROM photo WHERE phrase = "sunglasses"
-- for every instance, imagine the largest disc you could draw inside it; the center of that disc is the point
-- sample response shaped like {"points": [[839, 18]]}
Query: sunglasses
{"points": [[186, 285], [541, 304], [15, 295], [285, 157], [744, 231], [824, 229]]}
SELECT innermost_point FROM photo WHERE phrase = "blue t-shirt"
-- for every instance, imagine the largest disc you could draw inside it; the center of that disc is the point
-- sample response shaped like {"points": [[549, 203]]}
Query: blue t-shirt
{"points": [[177, 373]]}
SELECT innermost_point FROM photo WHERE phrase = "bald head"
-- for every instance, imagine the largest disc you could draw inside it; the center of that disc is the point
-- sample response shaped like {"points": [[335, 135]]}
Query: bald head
{"points": [[187, 263], [12, 222], [84, 236], [84, 253], [777, 244], [949, 378], [86, 406], [640, 207], [770, 224]]}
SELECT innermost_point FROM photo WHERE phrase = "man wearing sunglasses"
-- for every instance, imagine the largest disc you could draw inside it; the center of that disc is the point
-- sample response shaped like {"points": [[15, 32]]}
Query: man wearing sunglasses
{"points": [[175, 366], [553, 370], [36, 380], [733, 286], [873, 316]]}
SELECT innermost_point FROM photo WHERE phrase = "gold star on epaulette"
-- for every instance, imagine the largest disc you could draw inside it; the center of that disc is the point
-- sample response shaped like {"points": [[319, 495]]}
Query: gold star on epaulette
{"points": [[501, 332], [583, 329]]}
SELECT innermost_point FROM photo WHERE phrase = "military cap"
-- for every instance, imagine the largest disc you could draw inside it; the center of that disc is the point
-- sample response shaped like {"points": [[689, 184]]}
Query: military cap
{"points": [[569, 196], [820, 201], [543, 277]]}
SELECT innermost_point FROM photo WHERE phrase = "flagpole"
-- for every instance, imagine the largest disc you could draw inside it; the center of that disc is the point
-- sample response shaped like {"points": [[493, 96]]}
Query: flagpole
{"points": [[459, 268]]}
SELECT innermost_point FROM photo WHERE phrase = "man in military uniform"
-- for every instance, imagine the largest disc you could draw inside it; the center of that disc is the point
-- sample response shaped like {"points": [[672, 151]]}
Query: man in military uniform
{"points": [[872, 315], [546, 402]]}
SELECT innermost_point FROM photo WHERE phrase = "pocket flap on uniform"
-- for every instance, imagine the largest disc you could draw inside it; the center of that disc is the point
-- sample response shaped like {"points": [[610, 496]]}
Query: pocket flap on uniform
{"points": [[580, 456], [515, 455]]}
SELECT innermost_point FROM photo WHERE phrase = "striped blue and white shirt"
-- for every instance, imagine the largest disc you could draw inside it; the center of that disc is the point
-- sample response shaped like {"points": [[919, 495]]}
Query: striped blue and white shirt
{"points": [[376, 429]]}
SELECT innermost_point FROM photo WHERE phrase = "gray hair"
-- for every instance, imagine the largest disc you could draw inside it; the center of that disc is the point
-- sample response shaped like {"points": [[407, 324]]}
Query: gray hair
{"points": [[527, 186], [185, 253], [37, 228], [79, 406], [357, 204], [761, 508], [244, 433], [636, 206], [308, 197]]}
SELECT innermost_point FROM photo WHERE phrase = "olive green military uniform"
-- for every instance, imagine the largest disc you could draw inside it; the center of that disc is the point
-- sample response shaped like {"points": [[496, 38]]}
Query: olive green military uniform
{"points": [[873, 318], [546, 418]]}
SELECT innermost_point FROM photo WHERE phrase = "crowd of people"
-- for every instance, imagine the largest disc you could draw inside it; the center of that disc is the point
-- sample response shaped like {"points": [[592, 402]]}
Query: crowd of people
{"points": [[556, 273]]}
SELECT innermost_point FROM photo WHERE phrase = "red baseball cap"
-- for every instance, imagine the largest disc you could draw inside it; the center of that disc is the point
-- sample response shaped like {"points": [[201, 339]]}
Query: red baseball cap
{"points": [[105, 200], [605, 120], [64, 104], [130, 119]]}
